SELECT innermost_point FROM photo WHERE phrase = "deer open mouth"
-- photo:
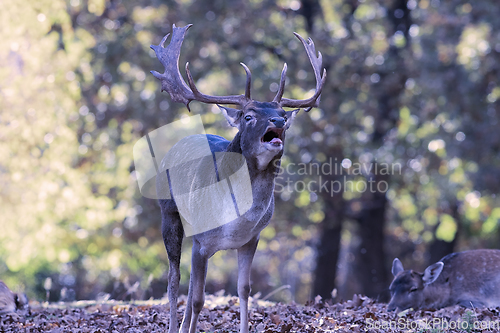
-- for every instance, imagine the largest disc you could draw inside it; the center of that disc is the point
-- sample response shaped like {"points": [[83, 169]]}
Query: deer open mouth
{"points": [[273, 136]]}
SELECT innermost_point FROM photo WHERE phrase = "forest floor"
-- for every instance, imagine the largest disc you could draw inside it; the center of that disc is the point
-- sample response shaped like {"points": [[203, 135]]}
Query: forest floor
{"points": [[221, 314]]}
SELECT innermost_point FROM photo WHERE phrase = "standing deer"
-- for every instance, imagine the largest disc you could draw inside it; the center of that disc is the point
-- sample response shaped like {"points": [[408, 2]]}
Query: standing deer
{"points": [[260, 140], [470, 279]]}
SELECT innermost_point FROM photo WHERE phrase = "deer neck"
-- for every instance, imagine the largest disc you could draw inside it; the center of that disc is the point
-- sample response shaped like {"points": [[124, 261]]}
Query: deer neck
{"points": [[436, 295], [235, 145]]}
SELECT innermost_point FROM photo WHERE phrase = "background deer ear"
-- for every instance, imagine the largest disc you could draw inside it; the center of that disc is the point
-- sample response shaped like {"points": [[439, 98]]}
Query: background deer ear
{"points": [[233, 116], [290, 116], [432, 272], [397, 267]]}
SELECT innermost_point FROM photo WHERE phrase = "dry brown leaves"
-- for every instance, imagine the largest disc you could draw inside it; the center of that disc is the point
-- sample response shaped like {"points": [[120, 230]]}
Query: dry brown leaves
{"points": [[221, 314]]}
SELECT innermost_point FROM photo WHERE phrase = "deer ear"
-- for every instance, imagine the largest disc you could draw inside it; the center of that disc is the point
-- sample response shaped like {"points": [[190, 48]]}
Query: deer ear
{"points": [[397, 267], [432, 272], [290, 116], [232, 115]]}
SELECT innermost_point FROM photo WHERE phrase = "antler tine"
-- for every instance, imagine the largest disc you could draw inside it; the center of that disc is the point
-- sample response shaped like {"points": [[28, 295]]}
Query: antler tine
{"points": [[172, 81], [281, 89], [249, 80], [316, 62], [164, 39]]}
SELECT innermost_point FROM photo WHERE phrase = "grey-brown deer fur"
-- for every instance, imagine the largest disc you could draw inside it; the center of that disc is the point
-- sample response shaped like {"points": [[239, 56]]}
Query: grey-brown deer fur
{"points": [[260, 139], [10, 302]]}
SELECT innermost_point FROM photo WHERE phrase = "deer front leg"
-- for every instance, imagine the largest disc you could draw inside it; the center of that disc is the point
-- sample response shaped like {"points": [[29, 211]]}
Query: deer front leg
{"points": [[173, 233], [196, 294], [173, 292], [245, 257]]}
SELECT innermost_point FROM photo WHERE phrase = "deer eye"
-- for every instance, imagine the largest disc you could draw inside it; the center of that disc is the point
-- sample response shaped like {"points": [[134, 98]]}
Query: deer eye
{"points": [[413, 289], [248, 118]]}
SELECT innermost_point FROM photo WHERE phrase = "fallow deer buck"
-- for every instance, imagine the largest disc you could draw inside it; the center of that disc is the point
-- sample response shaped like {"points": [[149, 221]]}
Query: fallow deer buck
{"points": [[260, 140], [469, 278]]}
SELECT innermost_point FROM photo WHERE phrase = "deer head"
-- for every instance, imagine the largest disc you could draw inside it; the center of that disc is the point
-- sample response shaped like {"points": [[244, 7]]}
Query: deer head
{"points": [[261, 125], [408, 285]]}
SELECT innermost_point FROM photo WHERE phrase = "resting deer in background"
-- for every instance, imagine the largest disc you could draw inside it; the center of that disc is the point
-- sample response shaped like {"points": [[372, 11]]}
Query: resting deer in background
{"points": [[470, 279], [260, 140], [11, 302]]}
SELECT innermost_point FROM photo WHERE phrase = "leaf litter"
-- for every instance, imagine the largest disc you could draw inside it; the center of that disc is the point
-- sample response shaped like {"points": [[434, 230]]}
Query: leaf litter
{"points": [[221, 314]]}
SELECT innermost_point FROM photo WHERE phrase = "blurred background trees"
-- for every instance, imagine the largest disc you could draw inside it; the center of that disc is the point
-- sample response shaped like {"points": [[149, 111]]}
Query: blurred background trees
{"points": [[412, 85]]}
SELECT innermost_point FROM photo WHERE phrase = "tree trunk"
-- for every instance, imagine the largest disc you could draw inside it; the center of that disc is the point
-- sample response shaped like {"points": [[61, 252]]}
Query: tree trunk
{"points": [[329, 245], [370, 255], [370, 260]]}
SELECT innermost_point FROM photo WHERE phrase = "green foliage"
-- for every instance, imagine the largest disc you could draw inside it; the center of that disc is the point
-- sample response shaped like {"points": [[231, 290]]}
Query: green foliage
{"points": [[470, 318], [58, 172]]}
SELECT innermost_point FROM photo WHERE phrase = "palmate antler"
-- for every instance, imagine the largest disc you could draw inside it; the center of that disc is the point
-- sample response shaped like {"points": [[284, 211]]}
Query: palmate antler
{"points": [[316, 62], [173, 83]]}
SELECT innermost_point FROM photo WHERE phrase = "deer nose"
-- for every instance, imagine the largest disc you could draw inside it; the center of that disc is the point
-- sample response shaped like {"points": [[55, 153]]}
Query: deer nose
{"points": [[278, 121], [392, 307]]}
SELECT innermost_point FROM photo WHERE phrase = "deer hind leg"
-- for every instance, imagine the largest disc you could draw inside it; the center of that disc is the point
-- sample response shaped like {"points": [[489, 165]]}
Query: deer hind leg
{"points": [[173, 232], [196, 294], [245, 258]]}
